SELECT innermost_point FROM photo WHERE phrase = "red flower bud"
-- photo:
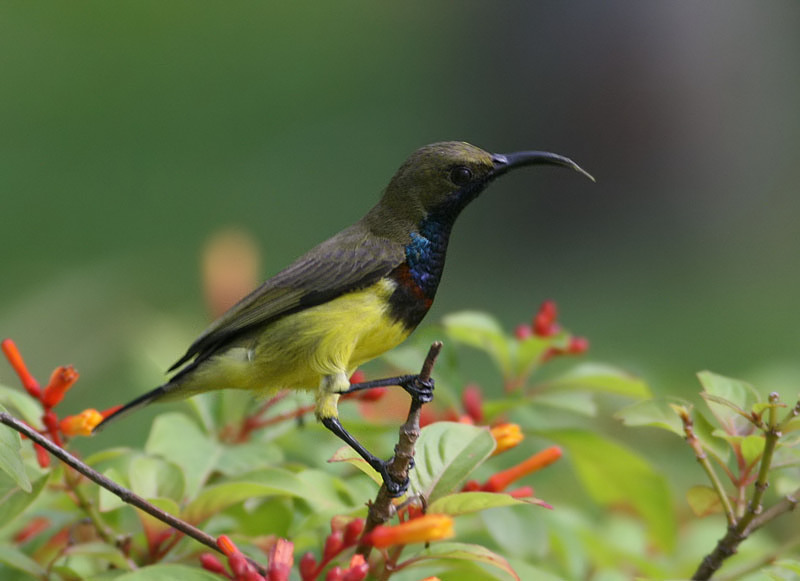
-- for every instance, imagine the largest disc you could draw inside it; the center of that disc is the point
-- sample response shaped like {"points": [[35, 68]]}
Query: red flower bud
{"points": [[42, 457], [281, 559], [33, 528], [308, 567], [253, 575], [334, 574], [18, 364], [352, 531], [471, 486], [578, 345], [238, 563], [60, 381], [358, 377], [544, 322], [333, 544], [472, 401], [210, 562], [358, 569], [523, 331], [372, 395]]}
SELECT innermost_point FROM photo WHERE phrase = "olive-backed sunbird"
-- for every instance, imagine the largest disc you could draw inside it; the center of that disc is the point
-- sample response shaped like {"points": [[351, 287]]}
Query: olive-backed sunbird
{"points": [[349, 299]]}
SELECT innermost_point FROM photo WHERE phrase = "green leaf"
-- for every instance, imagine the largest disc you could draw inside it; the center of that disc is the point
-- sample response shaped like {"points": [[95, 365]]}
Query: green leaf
{"points": [[529, 353], [108, 500], [752, 447], [602, 378], [11, 456], [652, 412], [792, 424], [703, 500], [14, 500], [153, 526], [466, 552], [706, 433], [248, 456], [527, 570], [214, 499], [347, 454], [468, 502], [483, 332], [100, 551], [18, 560], [152, 477], [614, 475], [28, 408], [574, 401], [168, 573], [785, 569], [730, 400], [446, 453], [177, 438]]}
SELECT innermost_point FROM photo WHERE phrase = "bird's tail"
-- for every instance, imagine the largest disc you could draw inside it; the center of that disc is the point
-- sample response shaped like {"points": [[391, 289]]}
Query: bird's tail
{"points": [[139, 402]]}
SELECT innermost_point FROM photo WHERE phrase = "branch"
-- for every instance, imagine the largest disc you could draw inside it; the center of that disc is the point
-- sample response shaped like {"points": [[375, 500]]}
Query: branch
{"points": [[382, 509], [755, 516], [702, 458], [123, 493]]}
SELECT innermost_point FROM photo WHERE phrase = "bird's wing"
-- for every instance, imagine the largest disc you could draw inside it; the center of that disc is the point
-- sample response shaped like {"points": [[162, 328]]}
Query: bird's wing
{"points": [[348, 261]]}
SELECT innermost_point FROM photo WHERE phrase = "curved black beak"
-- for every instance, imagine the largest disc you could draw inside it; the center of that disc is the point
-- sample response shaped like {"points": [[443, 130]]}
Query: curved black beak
{"points": [[509, 161]]}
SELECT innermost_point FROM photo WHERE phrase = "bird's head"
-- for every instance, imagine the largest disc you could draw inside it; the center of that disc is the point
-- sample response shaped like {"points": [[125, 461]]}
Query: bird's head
{"points": [[444, 177]]}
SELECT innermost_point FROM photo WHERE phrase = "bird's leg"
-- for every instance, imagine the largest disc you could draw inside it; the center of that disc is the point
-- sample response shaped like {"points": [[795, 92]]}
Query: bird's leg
{"points": [[381, 466], [331, 387], [418, 388]]}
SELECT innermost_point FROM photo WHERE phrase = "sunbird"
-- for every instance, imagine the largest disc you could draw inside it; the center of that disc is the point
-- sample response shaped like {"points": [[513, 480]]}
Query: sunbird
{"points": [[349, 299]]}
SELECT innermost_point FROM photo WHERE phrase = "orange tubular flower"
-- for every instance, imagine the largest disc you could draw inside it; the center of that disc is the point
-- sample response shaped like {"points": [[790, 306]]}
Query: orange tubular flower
{"points": [[507, 436], [429, 527], [226, 545], [60, 381], [502, 480], [15, 359], [81, 424]]}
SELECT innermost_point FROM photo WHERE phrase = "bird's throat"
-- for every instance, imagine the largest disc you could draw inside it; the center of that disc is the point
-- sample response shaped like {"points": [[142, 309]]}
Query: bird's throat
{"points": [[418, 276]]}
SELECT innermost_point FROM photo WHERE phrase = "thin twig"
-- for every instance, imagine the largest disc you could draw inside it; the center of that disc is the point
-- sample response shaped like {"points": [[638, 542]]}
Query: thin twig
{"points": [[702, 458], [738, 532], [123, 493], [382, 509]]}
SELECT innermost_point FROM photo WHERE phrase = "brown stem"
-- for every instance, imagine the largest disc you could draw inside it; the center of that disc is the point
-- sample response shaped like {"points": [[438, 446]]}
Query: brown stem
{"points": [[123, 493], [754, 516], [382, 509]]}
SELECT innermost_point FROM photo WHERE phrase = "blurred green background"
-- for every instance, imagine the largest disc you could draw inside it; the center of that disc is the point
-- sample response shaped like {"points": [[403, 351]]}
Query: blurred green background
{"points": [[130, 132]]}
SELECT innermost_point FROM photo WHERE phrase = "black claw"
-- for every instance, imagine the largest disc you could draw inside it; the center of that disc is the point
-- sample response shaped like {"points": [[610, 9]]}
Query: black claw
{"points": [[419, 389], [393, 487]]}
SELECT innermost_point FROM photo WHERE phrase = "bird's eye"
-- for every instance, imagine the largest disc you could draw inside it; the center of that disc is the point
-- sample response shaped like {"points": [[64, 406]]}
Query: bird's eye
{"points": [[460, 175]]}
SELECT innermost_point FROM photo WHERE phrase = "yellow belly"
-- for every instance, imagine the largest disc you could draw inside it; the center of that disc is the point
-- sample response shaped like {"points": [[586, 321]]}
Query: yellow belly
{"points": [[318, 347]]}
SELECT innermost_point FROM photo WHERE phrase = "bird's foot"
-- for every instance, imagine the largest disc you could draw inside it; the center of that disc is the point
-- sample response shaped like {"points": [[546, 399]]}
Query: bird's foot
{"points": [[418, 388], [393, 487]]}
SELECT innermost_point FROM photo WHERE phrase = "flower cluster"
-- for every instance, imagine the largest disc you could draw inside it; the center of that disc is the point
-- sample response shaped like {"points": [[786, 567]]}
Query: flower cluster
{"points": [[61, 380], [545, 324], [344, 535]]}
